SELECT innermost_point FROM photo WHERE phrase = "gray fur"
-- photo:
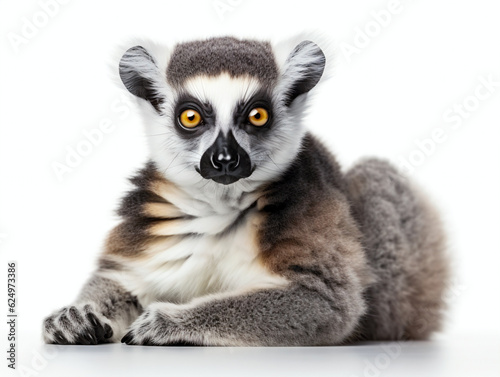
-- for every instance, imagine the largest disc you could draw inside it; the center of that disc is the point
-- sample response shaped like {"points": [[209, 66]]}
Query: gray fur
{"points": [[296, 316], [304, 69], [216, 55], [406, 249], [99, 315], [140, 75]]}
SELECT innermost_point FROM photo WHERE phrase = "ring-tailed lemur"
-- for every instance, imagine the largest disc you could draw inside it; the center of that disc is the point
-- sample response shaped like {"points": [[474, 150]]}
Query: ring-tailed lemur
{"points": [[242, 230]]}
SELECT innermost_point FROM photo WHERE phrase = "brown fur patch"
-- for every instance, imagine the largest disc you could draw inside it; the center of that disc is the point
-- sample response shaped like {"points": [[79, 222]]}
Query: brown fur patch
{"points": [[126, 239], [167, 227], [322, 234], [164, 188], [162, 210], [308, 221], [146, 215]]}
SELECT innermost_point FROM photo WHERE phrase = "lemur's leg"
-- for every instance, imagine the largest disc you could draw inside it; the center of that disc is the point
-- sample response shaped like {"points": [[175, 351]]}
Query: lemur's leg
{"points": [[405, 247], [101, 314], [296, 315]]}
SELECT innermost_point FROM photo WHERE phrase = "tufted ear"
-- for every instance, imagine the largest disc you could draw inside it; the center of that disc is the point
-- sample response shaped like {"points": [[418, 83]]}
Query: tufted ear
{"points": [[141, 76], [302, 70]]}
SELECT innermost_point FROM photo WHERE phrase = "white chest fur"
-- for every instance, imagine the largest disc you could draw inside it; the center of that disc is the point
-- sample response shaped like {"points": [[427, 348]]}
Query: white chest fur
{"points": [[184, 266]]}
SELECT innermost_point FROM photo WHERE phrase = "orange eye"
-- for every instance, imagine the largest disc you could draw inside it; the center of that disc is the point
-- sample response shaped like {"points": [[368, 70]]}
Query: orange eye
{"points": [[258, 116], [190, 118]]}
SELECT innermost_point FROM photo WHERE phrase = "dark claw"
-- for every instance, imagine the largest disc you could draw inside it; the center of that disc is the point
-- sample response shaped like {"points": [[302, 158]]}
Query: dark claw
{"points": [[92, 338], [82, 339], [98, 329], [108, 331], [93, 319], [127, 338], [98, 332], [147, 342], [59, 337], [183, 343]]}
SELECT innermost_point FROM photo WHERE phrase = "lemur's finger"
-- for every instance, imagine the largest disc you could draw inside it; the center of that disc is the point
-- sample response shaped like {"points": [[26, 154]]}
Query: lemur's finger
{"points": [[65, 323], [74, 315]]}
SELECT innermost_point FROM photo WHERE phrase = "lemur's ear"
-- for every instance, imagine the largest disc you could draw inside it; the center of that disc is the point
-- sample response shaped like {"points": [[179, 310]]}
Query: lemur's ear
{"points": [[140, 75], [302, 70]]}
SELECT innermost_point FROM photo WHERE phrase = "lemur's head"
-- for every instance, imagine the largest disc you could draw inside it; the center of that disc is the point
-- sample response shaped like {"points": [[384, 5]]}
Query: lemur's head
{"points": [[223, 111]]}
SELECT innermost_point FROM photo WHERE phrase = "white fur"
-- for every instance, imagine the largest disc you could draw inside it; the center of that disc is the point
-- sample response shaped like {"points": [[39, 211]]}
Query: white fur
{"points": [[223, 92], [184, 268]]}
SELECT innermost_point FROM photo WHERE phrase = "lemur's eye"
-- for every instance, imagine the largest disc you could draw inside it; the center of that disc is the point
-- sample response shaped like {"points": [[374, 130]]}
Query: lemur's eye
{"points": [[190, 118], [258, 116]]}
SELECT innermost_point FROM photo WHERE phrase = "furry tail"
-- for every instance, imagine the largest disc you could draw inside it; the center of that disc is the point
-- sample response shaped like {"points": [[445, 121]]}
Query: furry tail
{"points": [[406, 248]]}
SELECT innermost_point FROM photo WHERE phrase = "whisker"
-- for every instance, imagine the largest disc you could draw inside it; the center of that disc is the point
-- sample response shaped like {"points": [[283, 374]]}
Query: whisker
{"points": [[171, 162], [268, 155]]}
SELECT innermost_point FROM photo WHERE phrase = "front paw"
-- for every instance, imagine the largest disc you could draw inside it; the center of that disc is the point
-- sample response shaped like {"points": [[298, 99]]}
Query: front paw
{"points": [[160, 325], [78, 324]]}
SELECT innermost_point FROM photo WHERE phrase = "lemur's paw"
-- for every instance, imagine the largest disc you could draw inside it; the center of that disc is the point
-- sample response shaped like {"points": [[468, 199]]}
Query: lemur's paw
{"points": [[158, 326], [78, 324]]}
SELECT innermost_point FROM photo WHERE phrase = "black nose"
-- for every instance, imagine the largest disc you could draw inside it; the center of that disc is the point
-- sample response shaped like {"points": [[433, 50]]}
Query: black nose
{"points": [[225, 161]]}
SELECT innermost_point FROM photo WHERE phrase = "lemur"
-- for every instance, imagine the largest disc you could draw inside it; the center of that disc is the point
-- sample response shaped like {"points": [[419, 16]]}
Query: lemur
{"points": [[242, 229]]}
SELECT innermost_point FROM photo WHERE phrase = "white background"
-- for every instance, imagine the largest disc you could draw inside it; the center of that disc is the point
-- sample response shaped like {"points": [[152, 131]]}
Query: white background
{"points": [[379, 101]]}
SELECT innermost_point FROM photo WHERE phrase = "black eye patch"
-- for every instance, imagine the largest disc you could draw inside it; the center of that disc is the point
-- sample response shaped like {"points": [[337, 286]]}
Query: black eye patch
{"points": [[243, 109], [187, 102]]}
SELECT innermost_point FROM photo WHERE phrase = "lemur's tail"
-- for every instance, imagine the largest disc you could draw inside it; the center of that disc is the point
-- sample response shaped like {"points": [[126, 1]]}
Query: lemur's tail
{"points": [[406, 248]]}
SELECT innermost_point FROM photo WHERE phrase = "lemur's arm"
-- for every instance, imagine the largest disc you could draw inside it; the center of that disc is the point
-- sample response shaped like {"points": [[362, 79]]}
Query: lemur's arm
{"points": [[101, 314], [294, 316]]}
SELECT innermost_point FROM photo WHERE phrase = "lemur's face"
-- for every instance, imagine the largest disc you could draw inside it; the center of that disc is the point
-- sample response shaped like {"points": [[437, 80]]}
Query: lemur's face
{"points": [[228, 123], [223, 111]]}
